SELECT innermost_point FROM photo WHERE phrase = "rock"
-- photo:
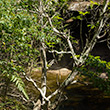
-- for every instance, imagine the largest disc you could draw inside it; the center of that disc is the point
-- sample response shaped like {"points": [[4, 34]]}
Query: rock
{"points": [[81, 5], [62, 71], [78, 6], [103, 76]]}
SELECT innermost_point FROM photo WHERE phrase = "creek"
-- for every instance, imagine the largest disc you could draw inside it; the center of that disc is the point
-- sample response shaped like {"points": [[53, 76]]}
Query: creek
{"points": [[80, 96]]}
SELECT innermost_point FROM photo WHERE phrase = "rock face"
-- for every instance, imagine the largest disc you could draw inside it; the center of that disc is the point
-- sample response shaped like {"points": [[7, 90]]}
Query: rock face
{"points": [[56, 70], [62, 71], [81, 5], [78, 6]]}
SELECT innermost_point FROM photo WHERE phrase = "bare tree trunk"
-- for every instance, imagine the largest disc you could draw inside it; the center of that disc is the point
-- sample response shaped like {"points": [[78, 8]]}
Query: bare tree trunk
{"points": [[44, 75], [77, 61], [45, 101], [42, 103]]}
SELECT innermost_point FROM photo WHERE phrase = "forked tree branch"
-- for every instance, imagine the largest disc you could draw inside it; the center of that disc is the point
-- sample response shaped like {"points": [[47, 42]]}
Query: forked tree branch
{"points": [[36, 86], [81, 60], [62, 34], [96, 36]]}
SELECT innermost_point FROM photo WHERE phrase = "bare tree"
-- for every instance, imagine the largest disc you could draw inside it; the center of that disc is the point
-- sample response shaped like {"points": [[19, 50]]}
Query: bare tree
{"points": [[44, 102]]}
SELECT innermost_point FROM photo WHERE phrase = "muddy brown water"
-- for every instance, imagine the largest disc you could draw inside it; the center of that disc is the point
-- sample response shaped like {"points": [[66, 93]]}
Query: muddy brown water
{"points": [[80, 97]]}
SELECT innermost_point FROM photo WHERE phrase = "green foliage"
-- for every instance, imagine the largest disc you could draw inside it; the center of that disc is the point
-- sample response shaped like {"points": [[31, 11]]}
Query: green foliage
{"points": [[9, 70], [15, 78], [93, 69], [93, 3], [17, 40], [83, 13], [21, 34], [11, 104]]}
